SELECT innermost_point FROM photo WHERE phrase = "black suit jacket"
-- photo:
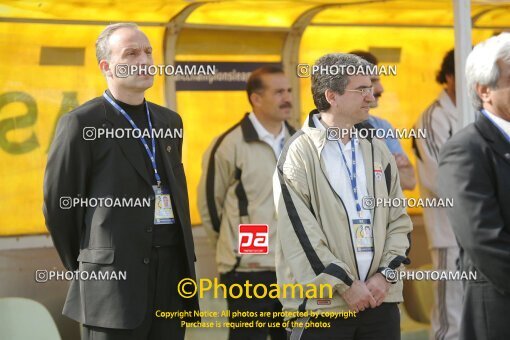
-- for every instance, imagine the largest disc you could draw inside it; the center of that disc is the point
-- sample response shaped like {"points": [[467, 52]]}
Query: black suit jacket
{"points": [[474, 170], [110, 239]]}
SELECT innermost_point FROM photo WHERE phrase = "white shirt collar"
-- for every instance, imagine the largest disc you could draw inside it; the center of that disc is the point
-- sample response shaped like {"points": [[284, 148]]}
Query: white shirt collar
{"points": [[276, 143], [261, 130], [500, 122]]}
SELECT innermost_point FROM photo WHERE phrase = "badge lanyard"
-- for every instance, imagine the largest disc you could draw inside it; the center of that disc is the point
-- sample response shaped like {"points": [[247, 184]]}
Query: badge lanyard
{"points": [[150, 153], [485, 113], [352, 175]]}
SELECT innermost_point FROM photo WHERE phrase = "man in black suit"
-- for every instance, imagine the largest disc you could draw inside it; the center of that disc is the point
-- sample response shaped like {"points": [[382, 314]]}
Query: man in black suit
{"points": [[474, 170], [151, 243]]}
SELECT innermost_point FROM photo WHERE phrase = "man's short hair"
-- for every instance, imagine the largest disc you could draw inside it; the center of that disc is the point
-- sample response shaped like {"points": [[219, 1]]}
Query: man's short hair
{"points": [[335, 81], [254, 82], [447, 67], [372, 59], [481, 67], [102, 42]]}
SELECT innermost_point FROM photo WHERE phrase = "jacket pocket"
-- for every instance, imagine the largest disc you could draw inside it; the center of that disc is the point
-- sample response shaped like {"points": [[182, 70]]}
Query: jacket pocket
{"points": [[97, 256]]}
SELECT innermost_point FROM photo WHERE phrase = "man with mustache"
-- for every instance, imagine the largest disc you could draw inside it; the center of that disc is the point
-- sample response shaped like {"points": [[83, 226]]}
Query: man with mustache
{"points": [[405, 168], [236, 188]]}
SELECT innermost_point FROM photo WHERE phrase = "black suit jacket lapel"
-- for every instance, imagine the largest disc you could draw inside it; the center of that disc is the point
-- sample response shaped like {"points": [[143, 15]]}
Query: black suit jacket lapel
{"points": [[129, 146], [495, 138], [167, 147]]}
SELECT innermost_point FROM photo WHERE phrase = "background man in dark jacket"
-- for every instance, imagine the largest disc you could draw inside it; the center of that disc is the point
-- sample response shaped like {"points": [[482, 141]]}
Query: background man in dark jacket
{"points": [[474, 170]]}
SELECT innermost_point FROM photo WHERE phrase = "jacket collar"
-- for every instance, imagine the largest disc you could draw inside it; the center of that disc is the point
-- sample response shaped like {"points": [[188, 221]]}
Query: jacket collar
{"points": [[290, 129], [316, 134], [492, 134], [251, 135]]}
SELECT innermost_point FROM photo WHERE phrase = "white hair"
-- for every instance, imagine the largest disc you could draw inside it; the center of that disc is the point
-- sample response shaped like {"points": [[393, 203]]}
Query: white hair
{"points": [[102, 42], [481, 66]]}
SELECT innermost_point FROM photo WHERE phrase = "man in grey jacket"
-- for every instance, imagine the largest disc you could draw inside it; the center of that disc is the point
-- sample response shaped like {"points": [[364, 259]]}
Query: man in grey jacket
{"points": [[440, 122], [330, 231]]}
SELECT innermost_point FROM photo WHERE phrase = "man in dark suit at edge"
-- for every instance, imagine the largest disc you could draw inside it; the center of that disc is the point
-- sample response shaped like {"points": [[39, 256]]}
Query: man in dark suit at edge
{"points": [[152, 244], [474, 170]]}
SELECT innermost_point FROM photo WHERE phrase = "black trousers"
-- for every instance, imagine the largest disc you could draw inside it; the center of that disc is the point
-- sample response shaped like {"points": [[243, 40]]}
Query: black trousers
{"points": [[380, 323], [167, 267], [254, 304], [485, 313]]}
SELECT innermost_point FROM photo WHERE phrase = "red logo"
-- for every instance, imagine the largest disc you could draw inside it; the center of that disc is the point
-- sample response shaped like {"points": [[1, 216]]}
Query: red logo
{"points": [[378, 174], [253, 239]]}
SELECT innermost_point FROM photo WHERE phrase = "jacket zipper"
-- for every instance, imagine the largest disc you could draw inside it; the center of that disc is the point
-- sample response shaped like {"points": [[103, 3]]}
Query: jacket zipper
{"points": [[348, 219], [375, 207], [272, 151], [239, 258]]}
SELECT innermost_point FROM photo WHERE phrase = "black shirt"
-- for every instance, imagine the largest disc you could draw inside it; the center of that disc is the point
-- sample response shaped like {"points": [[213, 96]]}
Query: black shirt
{"points": [[163, 234]]}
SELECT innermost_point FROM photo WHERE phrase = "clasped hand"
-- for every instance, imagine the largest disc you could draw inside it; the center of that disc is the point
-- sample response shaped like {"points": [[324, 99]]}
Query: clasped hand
{"points": [[370, 294]]}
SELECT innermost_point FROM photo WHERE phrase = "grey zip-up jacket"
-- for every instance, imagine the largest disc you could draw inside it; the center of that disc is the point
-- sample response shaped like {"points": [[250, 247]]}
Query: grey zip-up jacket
{"points": [[236, 187], [440, 122], [314, 242]]}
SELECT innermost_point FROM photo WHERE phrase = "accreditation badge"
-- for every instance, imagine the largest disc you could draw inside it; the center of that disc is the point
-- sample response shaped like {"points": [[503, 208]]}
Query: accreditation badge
{"points": [[163, 212], [364, 240]]}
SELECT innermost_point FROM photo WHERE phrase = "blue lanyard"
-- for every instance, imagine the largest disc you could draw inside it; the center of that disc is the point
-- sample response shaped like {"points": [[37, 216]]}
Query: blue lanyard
{"points": [[150, 153], [507, 136], [352, 175]]}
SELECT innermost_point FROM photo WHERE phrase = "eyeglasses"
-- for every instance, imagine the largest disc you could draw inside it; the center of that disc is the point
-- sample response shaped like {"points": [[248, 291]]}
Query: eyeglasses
{"points": [[364, 91]]}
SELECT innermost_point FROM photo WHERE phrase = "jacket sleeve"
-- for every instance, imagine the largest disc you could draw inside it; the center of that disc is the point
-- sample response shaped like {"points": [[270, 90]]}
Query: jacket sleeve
{"points": [[218, 170], [67, 170], [399, 226], [304, 245], [437, 131], [466, 177]]}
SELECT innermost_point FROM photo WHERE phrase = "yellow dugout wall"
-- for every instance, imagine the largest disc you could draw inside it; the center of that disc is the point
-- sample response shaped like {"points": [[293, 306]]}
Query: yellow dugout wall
{"points": [[49, 67]]}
